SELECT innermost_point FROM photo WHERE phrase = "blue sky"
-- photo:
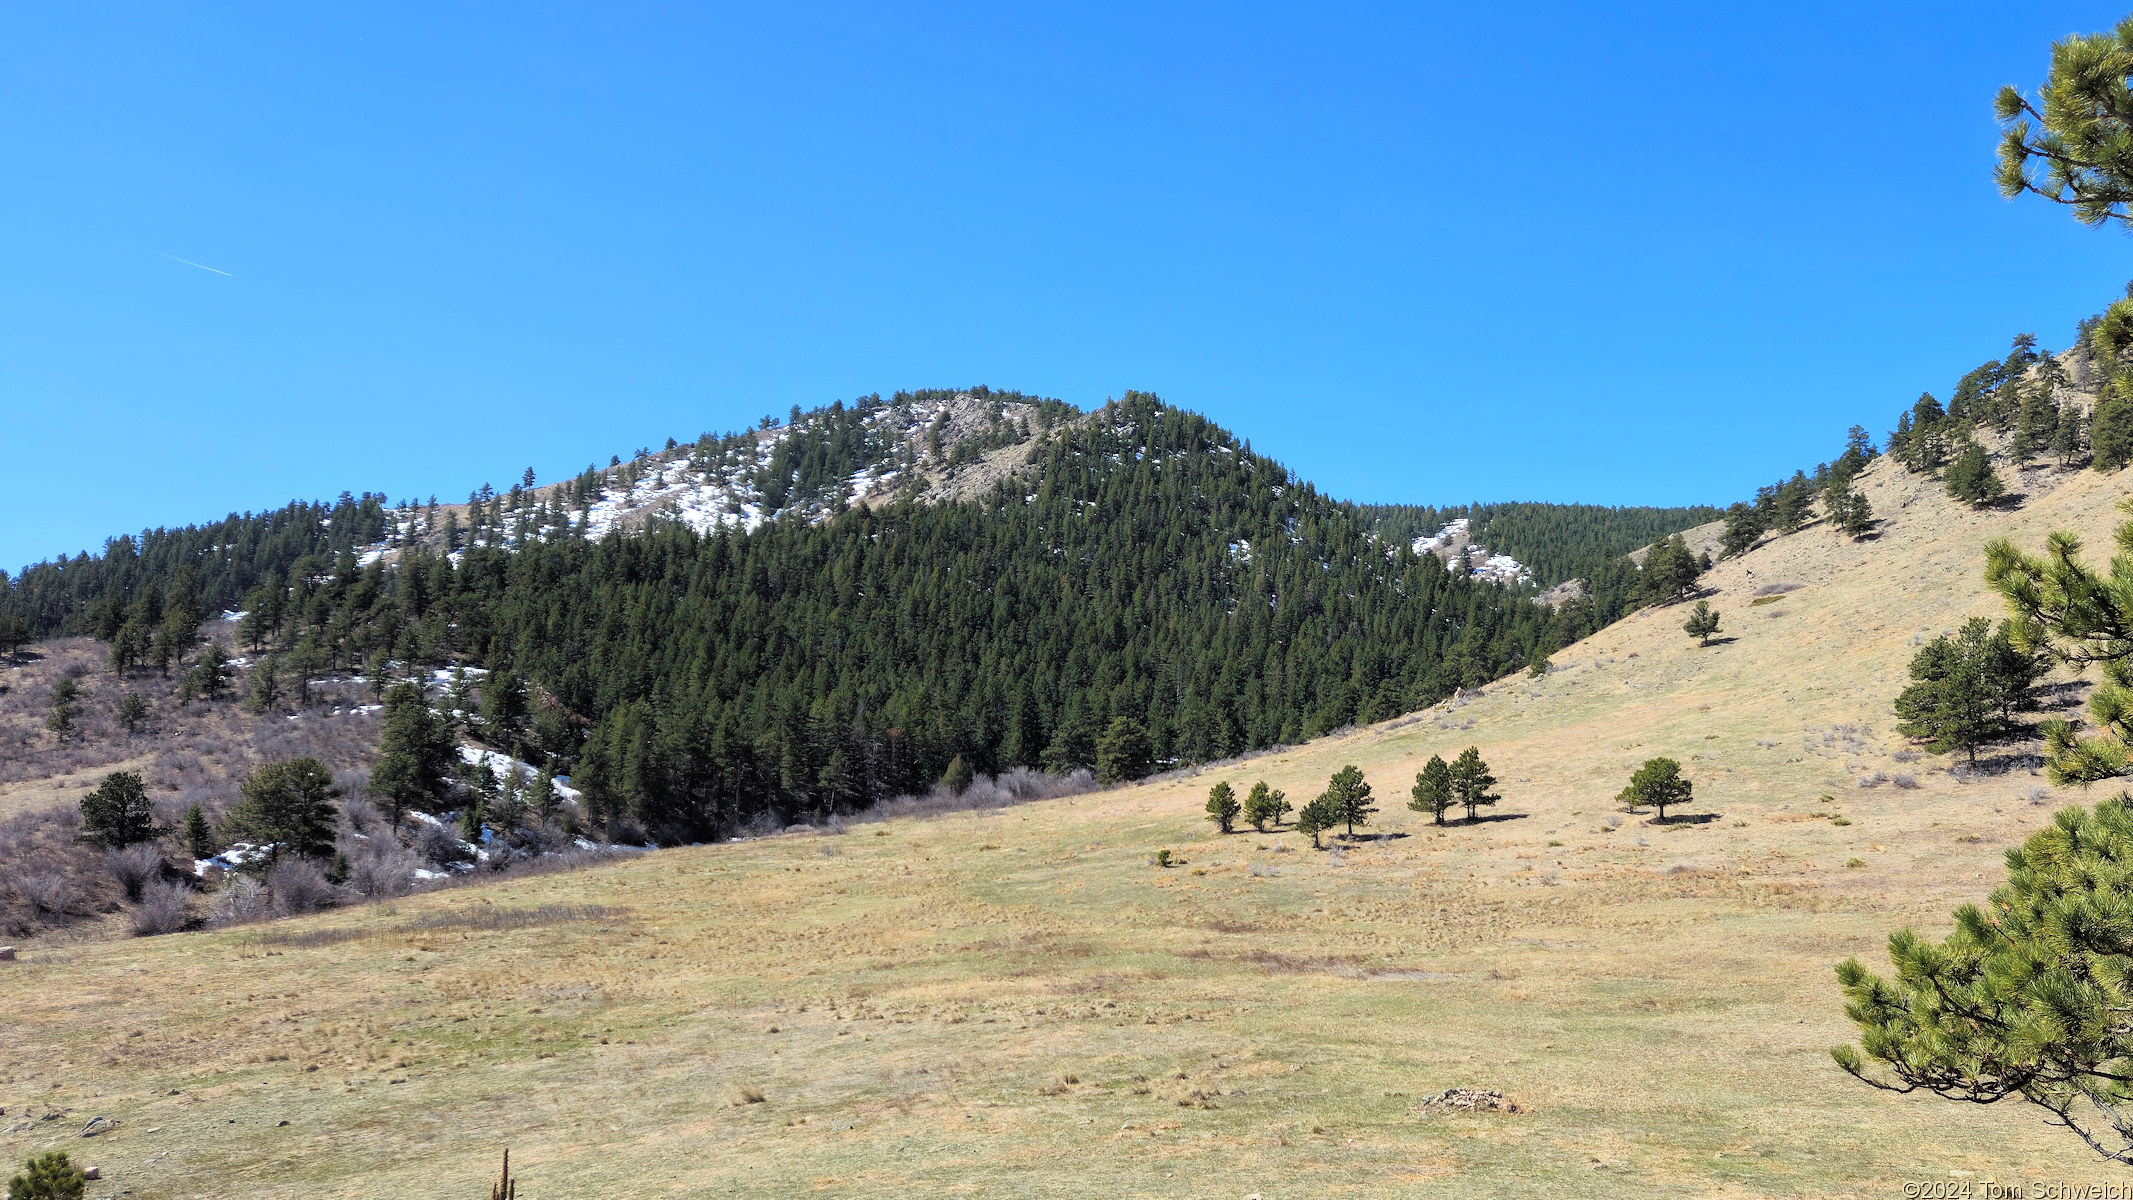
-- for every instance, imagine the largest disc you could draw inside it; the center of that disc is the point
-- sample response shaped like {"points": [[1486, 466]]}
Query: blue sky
{"points": [[1420, 253]]}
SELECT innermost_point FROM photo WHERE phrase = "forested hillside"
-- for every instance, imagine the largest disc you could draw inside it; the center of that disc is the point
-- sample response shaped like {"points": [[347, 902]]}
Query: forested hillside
{"points": [[1556, 542], [1143, 566]]}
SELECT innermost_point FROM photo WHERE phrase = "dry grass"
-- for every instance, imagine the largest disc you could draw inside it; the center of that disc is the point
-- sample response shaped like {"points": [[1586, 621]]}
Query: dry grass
{"points": [[1052, 1016]]}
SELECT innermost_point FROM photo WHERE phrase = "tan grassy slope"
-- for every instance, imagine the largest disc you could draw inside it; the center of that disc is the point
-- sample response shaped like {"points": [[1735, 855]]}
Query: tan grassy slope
{"points": [[1016, 1004]]}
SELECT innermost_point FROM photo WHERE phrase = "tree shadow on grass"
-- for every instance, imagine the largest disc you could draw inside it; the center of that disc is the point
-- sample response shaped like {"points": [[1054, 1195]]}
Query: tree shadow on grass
{"points": [[1685, 819], [1491, 818], [1718, 641]]}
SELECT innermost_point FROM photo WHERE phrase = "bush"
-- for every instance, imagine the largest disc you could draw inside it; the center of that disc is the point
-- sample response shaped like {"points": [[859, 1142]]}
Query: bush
{"points": [[135, 867], [240, 898], [162, 909], [441, 845], [51, 892], [299, 887]]}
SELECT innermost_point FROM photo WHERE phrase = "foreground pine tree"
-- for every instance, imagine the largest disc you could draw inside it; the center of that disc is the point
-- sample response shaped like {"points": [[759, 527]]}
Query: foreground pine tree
{"points": [[50, 1177], [288, 805], [118, 813], [2026, 998], [1264, 805], [1317, 817]]}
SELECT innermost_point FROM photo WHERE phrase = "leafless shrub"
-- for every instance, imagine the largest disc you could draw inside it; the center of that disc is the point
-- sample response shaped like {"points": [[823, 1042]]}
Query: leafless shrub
{"points": [[51, 892], [239, 899], [162, 909], [441, 845], [1874, 780], [1905, 756], [298, 887], [135, 867], [1906, 780]]}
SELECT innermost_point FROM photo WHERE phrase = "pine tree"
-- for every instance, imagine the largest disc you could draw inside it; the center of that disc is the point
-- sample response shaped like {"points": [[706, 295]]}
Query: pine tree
{"points": [[1433, 789], [2025, 999], [288, 805], [1264, 804], [1970, 478], [2111, 431], [1670, 570], [1317, 817], [1743, 526], [65, 693], [1351, 797], [470, 819], [199, 835], [118, 813], [1965, 689], [210, 677], [1658, 783], [264, 691], [1471, 782], [957, 778], [1856, 517], [1123, 754], [49, 1177], [132, 710], [2067, 442], [1222, 806], [1702, 622], [414, 753]]}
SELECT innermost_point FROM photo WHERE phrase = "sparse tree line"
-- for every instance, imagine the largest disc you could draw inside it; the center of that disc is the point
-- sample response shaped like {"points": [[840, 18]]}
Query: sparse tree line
{"points": [[1439, 787]]}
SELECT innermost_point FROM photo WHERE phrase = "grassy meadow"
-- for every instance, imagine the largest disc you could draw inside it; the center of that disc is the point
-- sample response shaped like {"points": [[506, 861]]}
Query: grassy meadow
{"points": [[1017, 1003]]}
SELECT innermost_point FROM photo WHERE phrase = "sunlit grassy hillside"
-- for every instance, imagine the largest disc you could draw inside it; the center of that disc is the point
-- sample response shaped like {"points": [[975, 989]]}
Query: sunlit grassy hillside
{"points": [[1019, 1004]]}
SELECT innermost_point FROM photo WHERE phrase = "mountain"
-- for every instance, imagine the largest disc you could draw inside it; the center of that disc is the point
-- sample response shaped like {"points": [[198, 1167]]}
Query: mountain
{"points": [[812, 618], [1017, 999]]}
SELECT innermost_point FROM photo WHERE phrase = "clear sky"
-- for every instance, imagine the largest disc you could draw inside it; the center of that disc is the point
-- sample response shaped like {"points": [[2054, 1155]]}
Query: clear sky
{"points": [[1427, 253]]}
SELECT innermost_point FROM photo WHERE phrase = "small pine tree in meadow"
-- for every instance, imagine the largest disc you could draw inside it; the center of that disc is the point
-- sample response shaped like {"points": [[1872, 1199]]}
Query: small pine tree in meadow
{"points": [[1351, 797], [1317, 817], [1702, 622], [1433, 789], [1658, 783], [1265, 806], [1222, 806], [1471, 782]]}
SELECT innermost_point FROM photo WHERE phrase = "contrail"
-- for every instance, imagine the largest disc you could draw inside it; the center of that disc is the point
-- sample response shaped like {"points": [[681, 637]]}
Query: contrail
{"points": [[190, 263]]}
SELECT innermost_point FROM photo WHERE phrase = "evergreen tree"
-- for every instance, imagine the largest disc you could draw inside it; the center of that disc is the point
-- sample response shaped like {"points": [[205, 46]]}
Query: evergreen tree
{"points": [[287, 805], [1123, 754], [49, 1177], [1350, 795], [2067, 442], [210, 677], [957, 778], [415, 753], [14, 634], [2080, 616], [1222, 806], [1471, 782], [132, 710], [2111, 431], [65, 693], [1670, 570], [504, 706], [1658, 783], [1743, 526], [2025, 999], [1856, 517], [1264, 804], [1970, 478], [1702, 622], [1317, 817], [2079, 134], [470, 819], [199, 836], [118, 813], [1433, 789], [1965, 689], [264, 691]]}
